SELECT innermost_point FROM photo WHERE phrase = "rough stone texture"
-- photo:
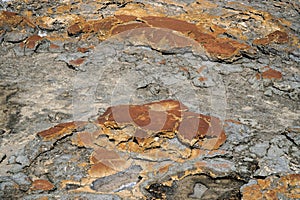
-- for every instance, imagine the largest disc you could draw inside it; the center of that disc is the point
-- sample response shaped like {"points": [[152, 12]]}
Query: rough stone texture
{"points": [[164, 99], [285, 187]]}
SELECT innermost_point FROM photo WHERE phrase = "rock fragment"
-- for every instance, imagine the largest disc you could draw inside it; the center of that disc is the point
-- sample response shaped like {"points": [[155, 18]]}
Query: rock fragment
{"points": [[273, 188], [41, 184]]}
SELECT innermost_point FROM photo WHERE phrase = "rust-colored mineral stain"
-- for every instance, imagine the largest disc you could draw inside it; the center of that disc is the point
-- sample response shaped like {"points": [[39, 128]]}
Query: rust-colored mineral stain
{"points": [[140, 115], [41, 184], [85, 49], [221, 139], [125, 114], [279, 37], [171, 124], [32, 41], [261, 41], [9, 14], [125, 27], [60, 130], [160, 121], [202, 78], [200, 164], [224, 48], [192, 127], [164, 169], [101, 170], [43, 198], [130, 146], [103, 155], [220, 48], [215, 126], [63, 8], [165, 117], [115, 114], [77, 62], [54, 46], [201, 37], [271, 74], [103, 24], [74, 29], [158, 38], [252, 192], [106, 162], [12, 19], [188, 130], [84, 139], [126, 18], [170, 23], [153, 116], [140, 134]]}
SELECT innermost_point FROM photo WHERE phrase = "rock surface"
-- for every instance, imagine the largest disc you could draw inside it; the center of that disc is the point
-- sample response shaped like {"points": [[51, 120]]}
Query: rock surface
{"points": [[168, 99]]}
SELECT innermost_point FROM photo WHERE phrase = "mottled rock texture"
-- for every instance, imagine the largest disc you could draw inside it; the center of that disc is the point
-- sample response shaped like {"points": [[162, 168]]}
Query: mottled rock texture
{"points": [[163, 99]]}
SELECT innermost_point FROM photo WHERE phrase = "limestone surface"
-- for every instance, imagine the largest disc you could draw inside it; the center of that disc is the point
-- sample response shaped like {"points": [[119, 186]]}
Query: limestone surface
{"points": [[163, 99]]}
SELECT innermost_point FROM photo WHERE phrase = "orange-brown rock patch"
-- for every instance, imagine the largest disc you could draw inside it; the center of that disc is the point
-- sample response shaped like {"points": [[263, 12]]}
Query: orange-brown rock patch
{"points": [[60, 130], [42, 184], [278, 37], [269, 73], [33, 41], [170, 23], [163, 117], [124, 27], [273, 187]]}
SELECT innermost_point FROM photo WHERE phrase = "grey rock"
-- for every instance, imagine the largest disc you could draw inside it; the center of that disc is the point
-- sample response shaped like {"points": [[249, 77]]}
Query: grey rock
{"points": [[293, 133], [14, 168], [249, 122], [251, 182], [275, 151], [278, 92], [23, 160], [295, 95], [7, 188], [22, 180], [228, 69], [217, 164], [268, 93], [206, 83], [273, 165], [15, 36], [18, 50], [282, 86], [237, 134], [264, 60], [295, 55], [12, 159], [117, 182], [240, 148], [260, 149], [199, 190]]}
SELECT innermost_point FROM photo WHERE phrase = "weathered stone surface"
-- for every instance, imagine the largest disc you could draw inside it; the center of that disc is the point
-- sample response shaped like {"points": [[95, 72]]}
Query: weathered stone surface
{"points": [[167, 118], [278, 37], [15, 36], [284, 187], [102, 74], [60, 130], [41, 184]]}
